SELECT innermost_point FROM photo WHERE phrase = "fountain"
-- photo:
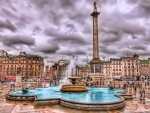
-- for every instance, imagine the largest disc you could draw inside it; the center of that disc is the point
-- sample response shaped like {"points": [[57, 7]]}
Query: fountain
{"points": [[70, 74], [74, 87]]}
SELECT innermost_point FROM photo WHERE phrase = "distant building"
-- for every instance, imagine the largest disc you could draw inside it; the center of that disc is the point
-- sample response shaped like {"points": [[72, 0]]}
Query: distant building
{"points": [[62, 68], [131, 67], [144, 69], [53, 71], [107, 70], [32, 66], [116, 67]]}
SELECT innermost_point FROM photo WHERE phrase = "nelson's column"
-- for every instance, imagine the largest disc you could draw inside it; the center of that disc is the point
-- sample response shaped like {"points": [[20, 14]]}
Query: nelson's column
{"points": [[96, 64]]}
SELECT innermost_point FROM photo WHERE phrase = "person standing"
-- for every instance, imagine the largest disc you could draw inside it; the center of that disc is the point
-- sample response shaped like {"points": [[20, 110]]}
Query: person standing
{"points": [[12, 85], [124, 86], [143, 93], [140, 91], [135, 90]]}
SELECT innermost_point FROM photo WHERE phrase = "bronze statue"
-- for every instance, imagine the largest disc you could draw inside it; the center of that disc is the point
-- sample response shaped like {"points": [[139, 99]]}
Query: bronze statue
{"points": [[95, 5]]}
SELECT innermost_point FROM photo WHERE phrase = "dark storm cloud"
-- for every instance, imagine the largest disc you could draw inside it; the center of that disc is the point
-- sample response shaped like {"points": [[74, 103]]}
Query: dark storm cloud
{"points": [[108, 51], [138, 47], [49, 8], [17, 39], [49, 48], [65, 38], [142, 8], [7, 25], [8, 13], [71, 52], [110, 37]]}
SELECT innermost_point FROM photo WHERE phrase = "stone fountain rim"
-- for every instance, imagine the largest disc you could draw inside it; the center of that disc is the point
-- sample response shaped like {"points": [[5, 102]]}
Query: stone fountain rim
{"points": [[73, 77]]}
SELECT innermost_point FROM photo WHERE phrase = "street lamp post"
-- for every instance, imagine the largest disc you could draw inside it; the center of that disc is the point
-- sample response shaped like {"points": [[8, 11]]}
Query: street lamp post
{"points": [[18, 77]]}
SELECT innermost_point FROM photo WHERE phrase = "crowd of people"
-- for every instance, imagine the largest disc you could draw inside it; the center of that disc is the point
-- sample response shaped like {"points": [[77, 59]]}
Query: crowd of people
{"points": [[135, 87]]}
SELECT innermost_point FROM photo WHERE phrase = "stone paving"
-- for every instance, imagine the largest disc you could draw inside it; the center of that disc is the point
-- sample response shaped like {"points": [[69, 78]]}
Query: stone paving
{"points": [[132, 106]]}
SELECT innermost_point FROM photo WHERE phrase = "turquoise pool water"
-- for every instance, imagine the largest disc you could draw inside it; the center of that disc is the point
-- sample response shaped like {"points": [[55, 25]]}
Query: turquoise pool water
{"points": [[94, 95]]}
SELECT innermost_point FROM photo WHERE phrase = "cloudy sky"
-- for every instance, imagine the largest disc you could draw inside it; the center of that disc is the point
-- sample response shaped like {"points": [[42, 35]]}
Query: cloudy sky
{"points": [[56, 29]]}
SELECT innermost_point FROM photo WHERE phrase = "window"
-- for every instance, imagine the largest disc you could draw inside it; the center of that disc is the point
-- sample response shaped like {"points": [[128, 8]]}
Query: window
{"points": [[128, 60]]}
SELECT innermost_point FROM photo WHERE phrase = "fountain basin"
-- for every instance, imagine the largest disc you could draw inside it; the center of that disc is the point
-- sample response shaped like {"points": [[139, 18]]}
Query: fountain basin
{"points": [[93, 99]]}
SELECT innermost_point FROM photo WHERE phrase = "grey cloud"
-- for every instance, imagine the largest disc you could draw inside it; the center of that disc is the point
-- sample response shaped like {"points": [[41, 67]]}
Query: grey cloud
{"points": [[71, 52], [8, 13], [49, 48], [24, 20], [138, 47], [16, 39], [108, 51], [134, 37], [65, 38], [7, 25]]}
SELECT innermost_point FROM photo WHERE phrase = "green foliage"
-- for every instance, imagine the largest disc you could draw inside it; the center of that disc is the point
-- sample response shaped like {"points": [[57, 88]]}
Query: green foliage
{"points": [[25, 90], [110, 87]]}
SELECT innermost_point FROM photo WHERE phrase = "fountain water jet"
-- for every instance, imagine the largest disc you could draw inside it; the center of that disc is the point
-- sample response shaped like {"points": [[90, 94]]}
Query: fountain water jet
{"points": [[70, 72]]}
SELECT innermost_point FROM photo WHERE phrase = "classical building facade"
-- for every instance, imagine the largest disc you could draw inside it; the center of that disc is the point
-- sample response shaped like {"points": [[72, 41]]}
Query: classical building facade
{"points": [[83, 72], [131, 67], [62, 68], [53, 71], [31, 65], [145, 69], [116, 65], [107, 70]]}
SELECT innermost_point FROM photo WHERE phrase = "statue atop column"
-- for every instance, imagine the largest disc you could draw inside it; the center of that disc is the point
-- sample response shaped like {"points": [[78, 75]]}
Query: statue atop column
{"points": [[95, 5]]}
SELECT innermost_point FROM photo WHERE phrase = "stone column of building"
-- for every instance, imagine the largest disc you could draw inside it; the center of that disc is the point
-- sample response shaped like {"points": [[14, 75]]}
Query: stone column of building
{"points": [[95, 14]]}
